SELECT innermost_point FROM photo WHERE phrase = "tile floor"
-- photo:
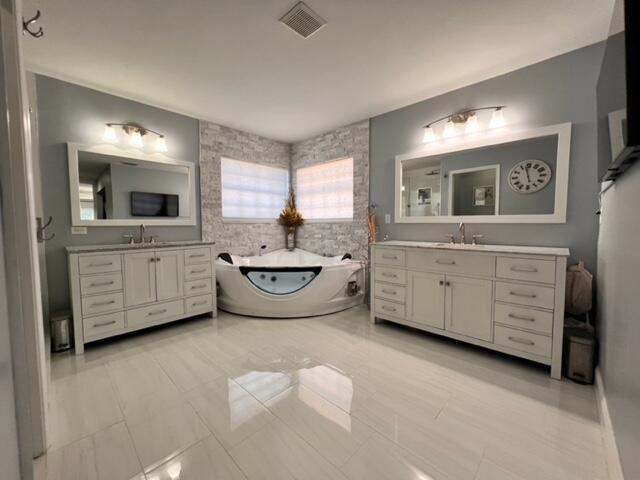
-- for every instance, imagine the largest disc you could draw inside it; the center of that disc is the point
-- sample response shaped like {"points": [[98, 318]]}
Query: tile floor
{"points": [[331, 397]]}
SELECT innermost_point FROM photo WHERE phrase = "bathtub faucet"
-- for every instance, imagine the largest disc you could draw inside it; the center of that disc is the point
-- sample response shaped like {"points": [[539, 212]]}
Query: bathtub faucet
{"points": [[262, 250]]}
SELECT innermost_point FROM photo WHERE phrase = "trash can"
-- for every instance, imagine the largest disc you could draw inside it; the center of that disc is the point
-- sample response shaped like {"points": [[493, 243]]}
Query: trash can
{"points": [[60, 331], [580, 345]]}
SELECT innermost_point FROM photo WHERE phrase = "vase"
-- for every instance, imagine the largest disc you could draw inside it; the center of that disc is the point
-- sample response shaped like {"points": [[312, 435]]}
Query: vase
{"points": [[290, 238]]}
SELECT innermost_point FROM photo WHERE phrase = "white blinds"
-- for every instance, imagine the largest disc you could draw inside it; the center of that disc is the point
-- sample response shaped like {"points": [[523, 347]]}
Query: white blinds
{"points": [[325, 191], [250, 190]]}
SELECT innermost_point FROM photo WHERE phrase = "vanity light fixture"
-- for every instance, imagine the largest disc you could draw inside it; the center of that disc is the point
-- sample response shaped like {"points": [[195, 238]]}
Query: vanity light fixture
{"points": [[135, 133], [468, 118]]}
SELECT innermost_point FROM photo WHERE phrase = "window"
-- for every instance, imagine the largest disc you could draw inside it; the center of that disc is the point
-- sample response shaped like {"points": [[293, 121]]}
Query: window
{"points": [[87, 202], [253, 191], [325, 191]]}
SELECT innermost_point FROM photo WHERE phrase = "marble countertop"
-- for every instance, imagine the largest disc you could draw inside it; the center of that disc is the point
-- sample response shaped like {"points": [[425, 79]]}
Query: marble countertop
{"points": [[556, 251], [136, 246]]}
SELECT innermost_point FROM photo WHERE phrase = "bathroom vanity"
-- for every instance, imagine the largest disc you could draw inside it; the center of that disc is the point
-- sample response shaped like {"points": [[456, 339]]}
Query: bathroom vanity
{"points": [[117, 289], [506, 298]]}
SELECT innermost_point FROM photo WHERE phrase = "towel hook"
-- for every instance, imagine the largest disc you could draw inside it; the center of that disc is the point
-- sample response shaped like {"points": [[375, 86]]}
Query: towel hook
{"points": [[26, 23], [40, 229]]}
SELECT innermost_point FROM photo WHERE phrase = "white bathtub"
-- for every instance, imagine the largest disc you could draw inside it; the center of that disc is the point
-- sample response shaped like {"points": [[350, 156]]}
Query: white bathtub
{"points": [[286, 284]]}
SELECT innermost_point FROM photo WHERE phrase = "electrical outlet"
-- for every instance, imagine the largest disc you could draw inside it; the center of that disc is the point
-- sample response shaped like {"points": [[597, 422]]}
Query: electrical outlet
{"points": [[387, 218]]}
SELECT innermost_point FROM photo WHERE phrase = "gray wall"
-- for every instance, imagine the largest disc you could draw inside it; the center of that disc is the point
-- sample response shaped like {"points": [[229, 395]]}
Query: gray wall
{"points": [[336, 238], [71, 113], [618, 321], [557, 90], [216, 142]]}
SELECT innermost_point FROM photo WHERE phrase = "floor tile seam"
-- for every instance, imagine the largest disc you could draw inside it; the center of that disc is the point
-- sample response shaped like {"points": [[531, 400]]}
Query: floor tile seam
{"points": [[126, 425], [83, 437]]}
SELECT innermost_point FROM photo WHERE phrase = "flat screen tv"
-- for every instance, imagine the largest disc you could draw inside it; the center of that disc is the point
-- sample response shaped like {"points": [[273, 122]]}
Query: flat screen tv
{"points": [[619, 93], [145, 204]]}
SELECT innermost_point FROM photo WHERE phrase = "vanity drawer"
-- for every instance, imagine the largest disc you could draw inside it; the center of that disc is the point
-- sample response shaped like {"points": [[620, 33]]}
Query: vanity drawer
{"points": [[201, 303], [528, 269], [452, 262], [525, 294], [197, 255], [192, 272], [154, 313], [527, 318], [102, 324], [101, 283], [390, 292], [524, 341], [100, 264], [390, 256], [391, 275], [107, 302], [197, 287], [384, 307]]}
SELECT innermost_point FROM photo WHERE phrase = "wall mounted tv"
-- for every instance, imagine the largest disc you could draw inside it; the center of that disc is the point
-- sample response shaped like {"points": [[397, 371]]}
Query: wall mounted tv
{"points": [[145, 204], [619, 93]]}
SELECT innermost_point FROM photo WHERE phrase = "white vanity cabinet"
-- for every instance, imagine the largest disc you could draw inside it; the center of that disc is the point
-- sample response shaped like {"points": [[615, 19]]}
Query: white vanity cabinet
{"points": [[115, 292], [509, 299]]}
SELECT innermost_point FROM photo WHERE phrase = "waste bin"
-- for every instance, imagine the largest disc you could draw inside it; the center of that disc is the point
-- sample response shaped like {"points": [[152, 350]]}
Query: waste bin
{"points": [[60, 331], [580, 346]]}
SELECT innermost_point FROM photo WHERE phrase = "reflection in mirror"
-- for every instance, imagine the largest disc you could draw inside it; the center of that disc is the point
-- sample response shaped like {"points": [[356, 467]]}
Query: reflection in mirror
{"points": [[421, 193], [112, 187], [473, 191]]}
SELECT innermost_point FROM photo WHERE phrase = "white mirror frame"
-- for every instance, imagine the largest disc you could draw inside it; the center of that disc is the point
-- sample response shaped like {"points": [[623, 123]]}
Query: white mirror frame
{"points": [[74, 181], [487, 139]]}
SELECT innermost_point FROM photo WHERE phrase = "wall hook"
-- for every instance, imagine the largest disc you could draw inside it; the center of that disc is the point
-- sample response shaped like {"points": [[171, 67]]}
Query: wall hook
{"points": [[40, 228], [26, 23]]}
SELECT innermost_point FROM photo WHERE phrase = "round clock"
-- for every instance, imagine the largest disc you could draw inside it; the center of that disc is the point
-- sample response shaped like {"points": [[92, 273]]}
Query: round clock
{"points": [[529, 176]]}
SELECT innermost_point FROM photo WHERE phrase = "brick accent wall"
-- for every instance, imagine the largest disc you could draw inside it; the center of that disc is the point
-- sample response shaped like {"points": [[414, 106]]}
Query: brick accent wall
{"points": [[339, 237], [216, 142]]}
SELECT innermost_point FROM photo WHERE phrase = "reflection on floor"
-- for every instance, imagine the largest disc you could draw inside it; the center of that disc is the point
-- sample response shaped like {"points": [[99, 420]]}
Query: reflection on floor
{"points": [[318, 398]]}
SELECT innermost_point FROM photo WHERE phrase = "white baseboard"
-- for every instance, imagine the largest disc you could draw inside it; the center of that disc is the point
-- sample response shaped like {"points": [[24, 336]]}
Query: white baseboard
{"points": [[610, 446]]}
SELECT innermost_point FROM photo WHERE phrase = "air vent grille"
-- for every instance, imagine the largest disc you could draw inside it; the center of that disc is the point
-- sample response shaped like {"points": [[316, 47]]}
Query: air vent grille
{"points": [[302, 20]]}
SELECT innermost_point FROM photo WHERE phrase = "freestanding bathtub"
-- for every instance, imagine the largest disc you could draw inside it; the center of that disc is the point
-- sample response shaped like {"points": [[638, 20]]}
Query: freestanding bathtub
{"points": [[286, 284]]}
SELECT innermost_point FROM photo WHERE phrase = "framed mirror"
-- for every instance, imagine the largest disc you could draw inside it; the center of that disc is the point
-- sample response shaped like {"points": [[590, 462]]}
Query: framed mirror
{"points": [[512, 177], [113, 187]]}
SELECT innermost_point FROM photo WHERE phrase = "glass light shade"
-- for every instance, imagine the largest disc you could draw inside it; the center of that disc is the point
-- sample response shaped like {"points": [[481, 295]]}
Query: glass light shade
{"points": [[109, 134], [161, 144], [136, 139], [472, 125], [449, 129], [429, 135], [497, 119]]}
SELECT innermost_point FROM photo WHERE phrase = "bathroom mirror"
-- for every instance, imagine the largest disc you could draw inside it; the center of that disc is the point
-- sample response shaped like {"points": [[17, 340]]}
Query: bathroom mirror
{"points": [[496, 177], [110, 186]]}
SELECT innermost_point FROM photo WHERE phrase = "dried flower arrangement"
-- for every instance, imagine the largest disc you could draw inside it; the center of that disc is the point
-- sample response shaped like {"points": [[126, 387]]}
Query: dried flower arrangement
{"points": [[290, 217]]}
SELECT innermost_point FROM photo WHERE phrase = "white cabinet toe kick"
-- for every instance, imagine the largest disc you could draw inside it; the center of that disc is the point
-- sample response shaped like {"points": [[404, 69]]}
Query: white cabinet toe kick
{"points": [[118, 292], [512, 302]]}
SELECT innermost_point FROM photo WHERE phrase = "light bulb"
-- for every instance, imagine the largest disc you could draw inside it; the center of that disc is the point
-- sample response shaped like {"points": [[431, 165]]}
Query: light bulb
{"points": [[497, 118], [449, 129], [161, 144], [429, 135], [109, 134], [136, 139], [472, 124]]}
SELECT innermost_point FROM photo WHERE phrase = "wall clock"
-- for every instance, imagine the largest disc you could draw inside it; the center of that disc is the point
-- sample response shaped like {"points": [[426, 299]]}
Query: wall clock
{"points": [[529, 176]]}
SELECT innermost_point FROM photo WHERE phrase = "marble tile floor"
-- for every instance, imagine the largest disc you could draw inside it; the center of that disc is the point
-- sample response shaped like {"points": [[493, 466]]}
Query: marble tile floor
{"points": [[330, 397]]}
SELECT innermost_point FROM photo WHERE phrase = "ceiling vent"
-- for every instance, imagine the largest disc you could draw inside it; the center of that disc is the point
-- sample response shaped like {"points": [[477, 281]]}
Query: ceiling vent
{"points": [[302, 20]]}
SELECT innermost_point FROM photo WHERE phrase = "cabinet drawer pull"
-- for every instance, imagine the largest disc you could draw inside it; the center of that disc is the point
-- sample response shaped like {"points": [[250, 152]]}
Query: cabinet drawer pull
{"points": [[102, 304], [103, 324], [157, 312], [524, 269], [104, 264], [101, 284], [523, 294], [388, 308], [203, 302], [197, 255], [390, 257], [198, 287], [389, 292], [389, 275], [522, 341], [520, 317], [202, 270], [441, 261]]}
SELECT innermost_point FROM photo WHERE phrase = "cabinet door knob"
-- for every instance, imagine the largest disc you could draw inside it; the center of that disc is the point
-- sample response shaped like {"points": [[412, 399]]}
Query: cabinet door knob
{"points": [[448, 284], [441, 282]]}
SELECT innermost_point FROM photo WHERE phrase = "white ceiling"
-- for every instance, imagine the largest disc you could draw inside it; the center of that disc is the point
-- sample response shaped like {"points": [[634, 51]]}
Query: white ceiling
{"points": [[232, 62]]}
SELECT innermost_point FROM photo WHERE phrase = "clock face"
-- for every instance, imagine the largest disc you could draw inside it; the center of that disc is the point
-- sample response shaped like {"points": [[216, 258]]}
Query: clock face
{"points": [[529, 176]]}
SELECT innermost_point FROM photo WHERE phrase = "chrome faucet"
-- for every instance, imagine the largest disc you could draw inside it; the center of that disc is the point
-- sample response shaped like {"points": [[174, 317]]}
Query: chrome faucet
{"points": [[142, 230], [461, 229]]}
